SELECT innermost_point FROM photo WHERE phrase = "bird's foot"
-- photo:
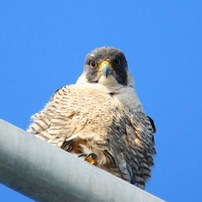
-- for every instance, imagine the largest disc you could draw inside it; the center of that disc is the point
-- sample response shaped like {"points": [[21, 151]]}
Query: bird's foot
{"points": [[90, 158]]}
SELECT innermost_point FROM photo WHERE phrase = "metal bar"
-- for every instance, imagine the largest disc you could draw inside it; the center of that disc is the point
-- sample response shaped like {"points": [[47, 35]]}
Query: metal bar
{"points": [[46, 173]]}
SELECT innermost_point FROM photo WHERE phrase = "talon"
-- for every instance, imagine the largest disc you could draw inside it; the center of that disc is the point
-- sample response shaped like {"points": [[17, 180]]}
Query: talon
{"points": [[91, 158], [81, 155]]}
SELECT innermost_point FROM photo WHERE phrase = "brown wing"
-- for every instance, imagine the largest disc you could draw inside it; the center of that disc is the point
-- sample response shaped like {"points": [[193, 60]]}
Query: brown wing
{"points": [[53, 122]]}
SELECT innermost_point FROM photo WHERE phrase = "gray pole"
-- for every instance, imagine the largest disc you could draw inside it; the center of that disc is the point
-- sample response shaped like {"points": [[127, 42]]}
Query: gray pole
{"points": [[46, 173]]}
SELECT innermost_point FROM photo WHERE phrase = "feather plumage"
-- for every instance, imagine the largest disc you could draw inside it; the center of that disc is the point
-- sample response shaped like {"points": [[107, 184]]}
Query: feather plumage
{"points": [[105, 118]]}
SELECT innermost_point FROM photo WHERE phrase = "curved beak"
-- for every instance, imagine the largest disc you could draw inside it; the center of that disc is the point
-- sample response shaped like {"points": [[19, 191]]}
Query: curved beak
{"points": [[105, 68]]}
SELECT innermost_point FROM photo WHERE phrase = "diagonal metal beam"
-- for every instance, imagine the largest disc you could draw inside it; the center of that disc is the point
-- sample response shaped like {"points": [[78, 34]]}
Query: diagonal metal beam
{"points": [[46, 173]]}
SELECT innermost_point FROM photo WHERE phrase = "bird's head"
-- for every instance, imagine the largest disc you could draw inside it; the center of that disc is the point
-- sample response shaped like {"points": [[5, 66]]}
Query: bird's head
{"points": [[107, 66]]}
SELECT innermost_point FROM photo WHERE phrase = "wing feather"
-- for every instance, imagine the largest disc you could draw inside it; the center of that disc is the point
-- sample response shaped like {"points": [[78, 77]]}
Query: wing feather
{"points": [[132, 144], [52, 123]]}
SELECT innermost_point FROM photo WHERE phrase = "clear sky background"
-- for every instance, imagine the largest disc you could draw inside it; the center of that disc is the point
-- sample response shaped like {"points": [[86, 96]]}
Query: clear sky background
{"points": [[43, 45]]}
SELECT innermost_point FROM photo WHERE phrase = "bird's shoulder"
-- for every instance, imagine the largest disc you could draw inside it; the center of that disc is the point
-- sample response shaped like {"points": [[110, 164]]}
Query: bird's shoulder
{"points": [[86, 91]]}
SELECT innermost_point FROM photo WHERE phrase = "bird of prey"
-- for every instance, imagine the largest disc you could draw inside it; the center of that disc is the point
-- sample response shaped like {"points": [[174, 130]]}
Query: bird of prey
{"points": [[101, 119]]}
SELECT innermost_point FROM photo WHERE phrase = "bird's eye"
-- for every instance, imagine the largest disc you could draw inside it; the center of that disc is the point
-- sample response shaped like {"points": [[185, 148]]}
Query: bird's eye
{"points": [[116, 61], [93, 64]]}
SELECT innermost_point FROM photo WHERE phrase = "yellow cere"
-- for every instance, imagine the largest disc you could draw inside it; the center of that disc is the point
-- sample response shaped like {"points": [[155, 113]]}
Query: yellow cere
{"points": [[104, 63]]}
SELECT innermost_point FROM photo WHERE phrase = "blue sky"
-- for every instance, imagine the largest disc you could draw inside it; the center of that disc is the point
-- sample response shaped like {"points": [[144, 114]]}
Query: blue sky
{"points": [[43, 45]]}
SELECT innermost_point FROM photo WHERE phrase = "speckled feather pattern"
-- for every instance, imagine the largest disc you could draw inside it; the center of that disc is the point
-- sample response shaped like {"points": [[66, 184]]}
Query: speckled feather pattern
{"points": [[113, 123], [110, 120]]}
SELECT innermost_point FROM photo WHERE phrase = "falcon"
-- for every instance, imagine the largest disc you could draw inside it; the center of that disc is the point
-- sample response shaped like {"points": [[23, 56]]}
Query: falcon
{"points": [[101, 119]]}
